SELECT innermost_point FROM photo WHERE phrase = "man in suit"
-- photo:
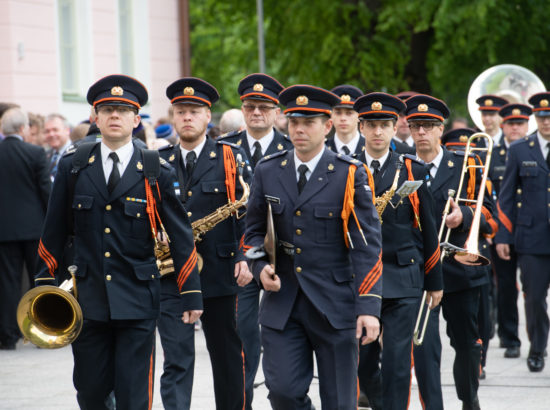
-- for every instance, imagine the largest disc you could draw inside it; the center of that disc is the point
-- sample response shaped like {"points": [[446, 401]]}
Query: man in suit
{"points": [[408, 269], [26, 187], [114, 211], [461, 283], [515, 125], [56, 134], [260, 97], [523, 216], [325, 291], [206, 182], [346, 140]]}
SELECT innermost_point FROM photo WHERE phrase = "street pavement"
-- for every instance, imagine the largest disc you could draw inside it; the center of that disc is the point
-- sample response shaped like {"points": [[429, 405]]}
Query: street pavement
{"points": [[38, 379]]}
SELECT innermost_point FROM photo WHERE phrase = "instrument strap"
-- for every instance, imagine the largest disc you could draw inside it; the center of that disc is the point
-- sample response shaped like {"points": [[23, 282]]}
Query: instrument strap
{"points": [[415, 202], [230, 172]]}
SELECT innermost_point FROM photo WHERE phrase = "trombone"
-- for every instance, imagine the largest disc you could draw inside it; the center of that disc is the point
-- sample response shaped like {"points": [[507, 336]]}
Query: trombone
{"points": [[469, 255]]}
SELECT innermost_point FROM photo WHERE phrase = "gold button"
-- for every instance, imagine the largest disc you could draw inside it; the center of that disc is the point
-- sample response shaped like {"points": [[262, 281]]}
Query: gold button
{"points": [[108, 277], [108, 207], [548, 189], [152, 276], [215, 189], [298, 269], [484, 246], [412, 260], [189, 214], [232, 253], [519, 191], [189, 193], [519, 204], [79, 206], [298, 213], [138, 215], [298, 250], [501, 177], [107, 254], [107, 230], [330, 214], [298, 231]]}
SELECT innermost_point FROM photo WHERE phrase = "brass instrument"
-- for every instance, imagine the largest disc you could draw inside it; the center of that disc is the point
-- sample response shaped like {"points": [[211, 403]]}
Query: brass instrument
{"points": [[469, 255], [50, 316], [201, 226], [382, 201], [511, 82]]}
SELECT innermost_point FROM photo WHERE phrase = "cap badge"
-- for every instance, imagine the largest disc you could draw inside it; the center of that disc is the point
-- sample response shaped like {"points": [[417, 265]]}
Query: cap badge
{"points": [[450, 164], [463, 138], [302, 100], [488, 102], [422, 108], [376, 106], [139, 165], [330, 167], [345, 98], [172, 157], [516, 111], [280, 147], [258, 87], [188, 91], [91, 159], [544, 103], [212, 154], [116, 90]]}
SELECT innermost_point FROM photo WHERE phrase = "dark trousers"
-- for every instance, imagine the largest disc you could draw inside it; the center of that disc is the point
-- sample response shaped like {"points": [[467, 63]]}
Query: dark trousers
{"points": [[484, 321], [288, 361], [224, 347], [535, 279], [118, 356], [249, 331], [507, 297], [13, 255], [427, 365], [460, 310], [398, 319]]}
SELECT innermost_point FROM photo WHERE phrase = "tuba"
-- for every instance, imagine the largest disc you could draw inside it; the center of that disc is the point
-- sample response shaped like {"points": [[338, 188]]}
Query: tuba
{"points": [[511, 82], [50, 316], [165, 262]]}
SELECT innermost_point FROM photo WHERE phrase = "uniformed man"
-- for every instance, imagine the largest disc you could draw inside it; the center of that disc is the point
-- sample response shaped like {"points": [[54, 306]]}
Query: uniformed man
{"points": [[525, 222], [402, 141], [325, 291], [460, 303], [489, 105], [260, 97], [515, 126], [113, 213], [347, 140], [207, 181], [407, 269], [456, 140]]}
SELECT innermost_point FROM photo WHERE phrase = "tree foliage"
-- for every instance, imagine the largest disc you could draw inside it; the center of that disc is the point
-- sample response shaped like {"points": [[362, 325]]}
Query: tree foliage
{"points": [[432, 46]]}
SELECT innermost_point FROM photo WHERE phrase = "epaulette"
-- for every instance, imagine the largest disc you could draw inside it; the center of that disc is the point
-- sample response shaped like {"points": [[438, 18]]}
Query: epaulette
{"points": [[523, 140], [166, 148], [286, 137], [229, 134], [71, 150], [413, 158], [349, 160], [164, 163], [274, 155], [231, 144]]}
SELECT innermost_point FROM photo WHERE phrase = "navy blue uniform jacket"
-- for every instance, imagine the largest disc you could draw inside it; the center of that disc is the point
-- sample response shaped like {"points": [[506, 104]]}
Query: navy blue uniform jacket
{"points": [[340, 282], [524, 200], [117, 274], [221, 247]]}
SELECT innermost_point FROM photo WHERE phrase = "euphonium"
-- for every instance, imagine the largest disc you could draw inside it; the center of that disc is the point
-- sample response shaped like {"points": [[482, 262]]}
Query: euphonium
{"points": [[50, 316], [201, 226]]}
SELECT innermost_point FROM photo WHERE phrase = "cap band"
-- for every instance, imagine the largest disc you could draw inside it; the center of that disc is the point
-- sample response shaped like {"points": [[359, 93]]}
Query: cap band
{"points": [[135, 104], [378, 112], [319, 110], [190, 97], [260, 95], [425, 114]]}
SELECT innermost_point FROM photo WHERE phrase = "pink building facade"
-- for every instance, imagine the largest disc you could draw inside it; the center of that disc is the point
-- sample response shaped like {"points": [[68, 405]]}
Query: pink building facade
{"points": [[53, 50]]}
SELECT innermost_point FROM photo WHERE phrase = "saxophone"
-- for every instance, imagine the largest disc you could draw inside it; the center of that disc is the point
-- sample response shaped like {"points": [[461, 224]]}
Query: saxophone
{"points": [[382, 201], [165, 262]]}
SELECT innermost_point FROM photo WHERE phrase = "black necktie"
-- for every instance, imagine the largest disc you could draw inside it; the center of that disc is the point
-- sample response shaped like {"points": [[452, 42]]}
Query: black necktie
{"points": [[257, 155], [190, 159], [346, 150], [375, 164], [548, 154], [429, 177], [302, 169], [115, 174]]}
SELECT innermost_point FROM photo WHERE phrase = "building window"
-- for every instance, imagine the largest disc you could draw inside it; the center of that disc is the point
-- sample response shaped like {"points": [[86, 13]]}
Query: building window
{"points": [[126, 27], [68, 41]]}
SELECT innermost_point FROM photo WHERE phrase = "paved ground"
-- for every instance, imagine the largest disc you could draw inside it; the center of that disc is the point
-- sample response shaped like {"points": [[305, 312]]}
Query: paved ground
{"points": [[36, 379]]}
